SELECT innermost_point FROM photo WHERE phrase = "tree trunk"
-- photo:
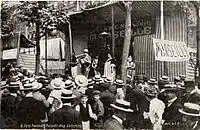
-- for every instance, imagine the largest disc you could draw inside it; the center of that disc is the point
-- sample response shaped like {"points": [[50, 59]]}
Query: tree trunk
{"points": [[127, 40], [37, 58], [67, 53]]}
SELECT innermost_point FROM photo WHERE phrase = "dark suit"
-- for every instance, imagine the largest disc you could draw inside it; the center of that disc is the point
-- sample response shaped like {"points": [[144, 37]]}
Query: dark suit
{"points": [[30, 111], [112, 124], [89, 93], [8, 111], [107, 98], [171, 113], [67, 116], [139, 104]]}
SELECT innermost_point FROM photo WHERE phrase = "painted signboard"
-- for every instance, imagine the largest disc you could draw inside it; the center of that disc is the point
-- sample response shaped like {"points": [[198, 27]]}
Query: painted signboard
{"points": [[171, 51]]}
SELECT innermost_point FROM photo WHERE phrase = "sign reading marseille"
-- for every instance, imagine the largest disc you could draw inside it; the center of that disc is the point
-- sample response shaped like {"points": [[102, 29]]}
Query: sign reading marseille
{"points": [[171, 51]]}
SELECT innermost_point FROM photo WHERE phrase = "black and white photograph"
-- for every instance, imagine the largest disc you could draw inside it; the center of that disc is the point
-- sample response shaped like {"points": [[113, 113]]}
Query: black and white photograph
{"points": [[100, 65]]}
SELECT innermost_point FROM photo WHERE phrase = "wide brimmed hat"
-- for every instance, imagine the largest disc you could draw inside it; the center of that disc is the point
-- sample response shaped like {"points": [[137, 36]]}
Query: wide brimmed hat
{"points": [[57, 84], [164, 79], [108, 80], [14, 84], [103, 76], [28, 86], [152, 81], [182, 77], [122, 105], [86, 51], [177, 79], [169, 87], [3, 84], [190, 109], [69, 84], [150, 91], [81, 80], [97, 78], [36, 86], [90, 83], [31, 80], [119, 82], [67, 94]]}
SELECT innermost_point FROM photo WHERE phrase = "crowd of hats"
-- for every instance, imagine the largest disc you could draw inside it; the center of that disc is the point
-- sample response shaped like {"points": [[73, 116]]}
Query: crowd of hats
{"points": [[151, 88]]}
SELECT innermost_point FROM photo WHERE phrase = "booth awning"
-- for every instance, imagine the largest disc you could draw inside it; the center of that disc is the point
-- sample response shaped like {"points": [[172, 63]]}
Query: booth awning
{"points": [[102, 14]]}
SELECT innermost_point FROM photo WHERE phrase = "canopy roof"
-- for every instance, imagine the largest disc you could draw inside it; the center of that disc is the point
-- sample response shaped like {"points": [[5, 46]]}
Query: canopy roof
{"points": [[103, 14]]}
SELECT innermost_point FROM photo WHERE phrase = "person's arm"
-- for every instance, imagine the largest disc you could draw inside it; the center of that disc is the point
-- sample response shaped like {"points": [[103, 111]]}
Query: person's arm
{"points": [[77, 108], [92, 115], [100, 110]]}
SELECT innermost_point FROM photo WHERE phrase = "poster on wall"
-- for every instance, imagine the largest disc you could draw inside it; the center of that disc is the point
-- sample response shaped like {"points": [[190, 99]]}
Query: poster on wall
{"points": [[171, 51]]}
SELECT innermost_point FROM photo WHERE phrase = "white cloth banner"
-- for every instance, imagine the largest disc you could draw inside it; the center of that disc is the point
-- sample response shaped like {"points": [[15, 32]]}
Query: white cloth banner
{"points": [[171, 51]]}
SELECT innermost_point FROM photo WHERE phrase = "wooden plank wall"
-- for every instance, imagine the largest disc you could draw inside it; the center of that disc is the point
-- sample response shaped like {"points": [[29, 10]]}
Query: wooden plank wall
{"points": [[175, 30]]}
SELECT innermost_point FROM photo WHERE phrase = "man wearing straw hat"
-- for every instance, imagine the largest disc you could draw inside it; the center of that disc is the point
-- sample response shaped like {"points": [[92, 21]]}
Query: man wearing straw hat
{"points": [[121, 109], [191, 114], [54, 97], [66, 115], [31, 111]]}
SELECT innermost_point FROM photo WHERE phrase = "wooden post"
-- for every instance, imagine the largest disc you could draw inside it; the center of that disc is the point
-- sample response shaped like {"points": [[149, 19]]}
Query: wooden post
{"points": [[127, 39], [70, 40], [46, 51], [1, 55], [18, 48], [113, 33], [162, 34]]}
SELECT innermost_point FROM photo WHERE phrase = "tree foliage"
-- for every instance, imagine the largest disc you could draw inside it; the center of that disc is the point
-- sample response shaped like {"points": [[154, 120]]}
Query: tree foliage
{"points": [[8, 24]]}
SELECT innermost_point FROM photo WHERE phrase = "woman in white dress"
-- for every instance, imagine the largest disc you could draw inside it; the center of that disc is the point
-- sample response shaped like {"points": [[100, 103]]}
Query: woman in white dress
{"points": [[109, 68]]}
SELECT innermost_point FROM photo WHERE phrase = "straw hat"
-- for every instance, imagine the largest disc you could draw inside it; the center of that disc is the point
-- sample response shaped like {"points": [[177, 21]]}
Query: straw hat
{"points": [[57, 84], [86, 51], [119, 82], [122, 105], [108, 80], [67, 94], [97, 78], [36, 86], [164, 79], [190, 109], [81, 80], [28, 86], [13, 84], [90, 83], [68, 84], [152, 81]]}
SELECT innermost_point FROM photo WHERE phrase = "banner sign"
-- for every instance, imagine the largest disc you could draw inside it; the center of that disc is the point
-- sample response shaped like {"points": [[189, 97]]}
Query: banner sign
{"points": [[143, 26], [171, 51]]}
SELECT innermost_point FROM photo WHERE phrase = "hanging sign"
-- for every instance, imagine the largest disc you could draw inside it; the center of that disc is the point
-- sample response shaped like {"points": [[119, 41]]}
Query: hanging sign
{"points": [[171, 51], [138, 28]]}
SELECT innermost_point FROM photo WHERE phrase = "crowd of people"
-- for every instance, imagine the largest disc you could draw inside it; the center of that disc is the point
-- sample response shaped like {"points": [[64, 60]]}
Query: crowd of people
{"points": [[99, 102]]}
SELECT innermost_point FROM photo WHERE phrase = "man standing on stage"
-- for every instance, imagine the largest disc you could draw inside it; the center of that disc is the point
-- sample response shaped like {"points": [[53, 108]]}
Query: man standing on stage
{"points": [[85, 63]]}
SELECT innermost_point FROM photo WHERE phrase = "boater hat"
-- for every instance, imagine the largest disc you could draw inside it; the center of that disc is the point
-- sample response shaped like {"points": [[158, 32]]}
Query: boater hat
{"points": [[152, 81], [81, 80], [108, 80], [122, 105], [190, 109], [67, 94], [68, 84], [97, 78], [36, 86], [57, 84], [28, 86], [119, 82]]}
